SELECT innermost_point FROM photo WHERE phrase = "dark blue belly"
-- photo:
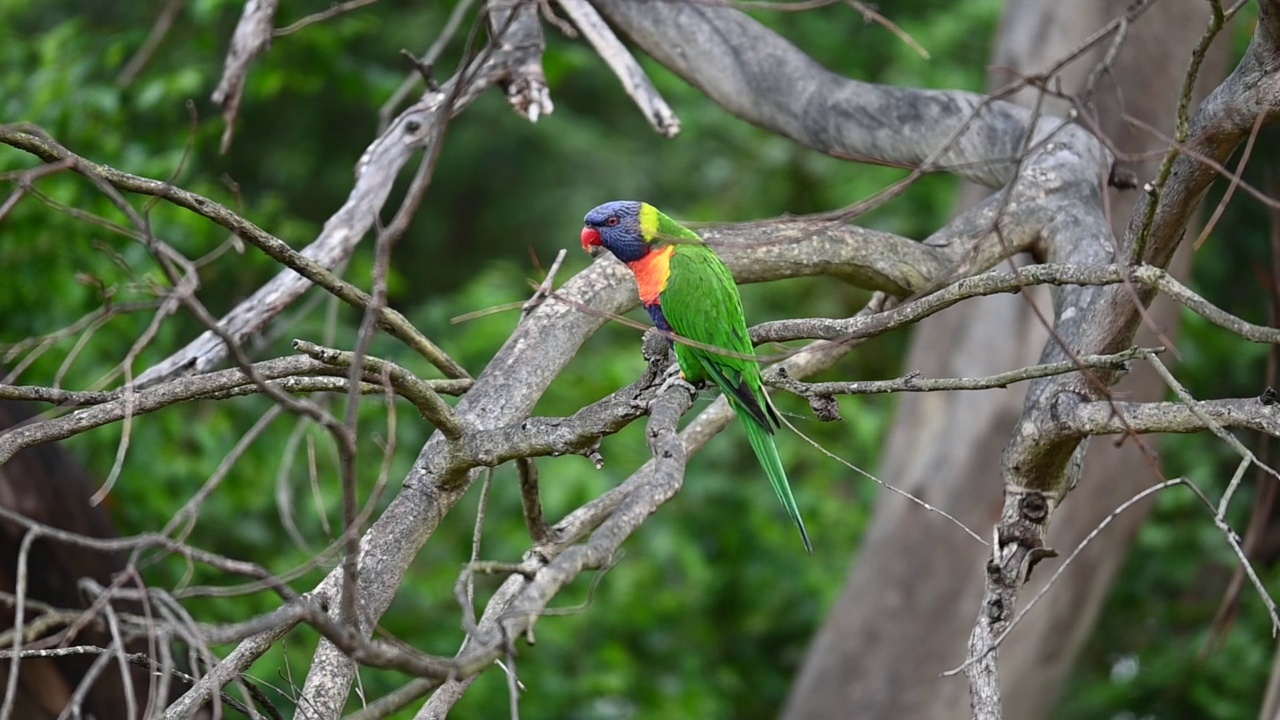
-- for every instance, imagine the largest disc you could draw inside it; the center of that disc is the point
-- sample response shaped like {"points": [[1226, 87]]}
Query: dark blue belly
{"points": [[659, 320]]}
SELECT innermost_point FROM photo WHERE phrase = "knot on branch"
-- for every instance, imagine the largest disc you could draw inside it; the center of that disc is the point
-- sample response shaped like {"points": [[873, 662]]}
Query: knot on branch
{"points": [[824, 404], [825, 408], [1062, 410], [995, 609], [1269, 396], [1025, 527], [1021, 536], [1122, 178], [416, 126], [1034, 507]]}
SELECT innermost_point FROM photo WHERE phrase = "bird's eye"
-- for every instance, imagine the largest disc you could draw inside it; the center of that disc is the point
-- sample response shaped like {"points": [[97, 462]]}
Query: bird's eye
{"points": [[611, 221]]}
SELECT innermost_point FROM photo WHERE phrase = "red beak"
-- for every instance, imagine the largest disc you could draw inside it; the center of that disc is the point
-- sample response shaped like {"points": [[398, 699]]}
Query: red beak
{"points": [[591, 241]]}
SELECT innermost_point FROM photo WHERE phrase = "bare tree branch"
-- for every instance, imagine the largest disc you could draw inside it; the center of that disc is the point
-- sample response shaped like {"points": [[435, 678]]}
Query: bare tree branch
{"points": [[331, 12], [630, 74], [515, 26], [912, 382], [312, 263], [1003, 281], [416, 390], [251, 39], [762, 78], [1120, 418], [164, 23], [1040, 463]]}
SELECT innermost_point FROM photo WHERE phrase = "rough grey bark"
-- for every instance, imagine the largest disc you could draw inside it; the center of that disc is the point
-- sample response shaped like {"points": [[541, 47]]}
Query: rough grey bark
{"points": [[876, 652], [760, 77]]}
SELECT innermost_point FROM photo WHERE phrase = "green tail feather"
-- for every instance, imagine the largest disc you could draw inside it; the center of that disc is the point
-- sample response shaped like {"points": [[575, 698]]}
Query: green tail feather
{"points": [[767, 452]]}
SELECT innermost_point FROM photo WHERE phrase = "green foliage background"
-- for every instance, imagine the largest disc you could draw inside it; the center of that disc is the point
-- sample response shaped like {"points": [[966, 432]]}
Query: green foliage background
{"points": [[709, 611]]}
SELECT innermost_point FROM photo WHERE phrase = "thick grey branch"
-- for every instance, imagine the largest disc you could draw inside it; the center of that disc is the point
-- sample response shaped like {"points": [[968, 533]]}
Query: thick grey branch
{"points": [[579, 433], [1041, 463], [1223, 121], [764, 79], [1103, 320], [661, 484], [1113, 418], [543, 343], [1005, 225], [517, 605]]}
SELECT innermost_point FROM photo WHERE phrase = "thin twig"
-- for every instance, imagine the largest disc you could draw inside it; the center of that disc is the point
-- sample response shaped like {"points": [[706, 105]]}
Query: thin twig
{"points": [[427, 60], [335, 10], [1231, 185], [163, 24], [143, 661], [418, 391], [869, 14], [19, 612], [545, 289], [913, 382]]}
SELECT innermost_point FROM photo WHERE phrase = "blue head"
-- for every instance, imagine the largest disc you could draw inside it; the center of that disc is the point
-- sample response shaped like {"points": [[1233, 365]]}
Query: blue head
{"points": [[622, 227]]}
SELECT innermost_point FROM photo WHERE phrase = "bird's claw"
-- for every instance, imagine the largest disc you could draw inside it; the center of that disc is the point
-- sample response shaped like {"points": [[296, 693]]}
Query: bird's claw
{"points": [[676, 379], [672, 371]]}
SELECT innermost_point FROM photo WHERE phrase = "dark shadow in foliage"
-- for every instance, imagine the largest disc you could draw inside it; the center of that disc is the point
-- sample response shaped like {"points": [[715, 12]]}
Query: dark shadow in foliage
{"points": [[47, 485]]}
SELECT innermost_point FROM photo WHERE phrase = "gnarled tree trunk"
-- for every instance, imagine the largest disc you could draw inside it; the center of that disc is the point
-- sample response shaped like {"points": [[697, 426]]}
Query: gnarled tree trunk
{"points": [[916, 583]]}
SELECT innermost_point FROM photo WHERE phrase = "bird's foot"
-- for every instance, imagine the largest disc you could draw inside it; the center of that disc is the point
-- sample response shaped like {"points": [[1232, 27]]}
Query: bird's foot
{"points": [[674, 377], [673, 371]]}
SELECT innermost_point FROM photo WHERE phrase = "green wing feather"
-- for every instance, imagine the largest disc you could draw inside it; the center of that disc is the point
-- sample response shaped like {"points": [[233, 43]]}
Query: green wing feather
{"points": [[701, 303]]}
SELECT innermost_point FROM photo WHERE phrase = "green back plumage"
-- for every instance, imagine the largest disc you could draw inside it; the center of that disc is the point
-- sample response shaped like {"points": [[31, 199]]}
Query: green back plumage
{"points": [[701, 303]]}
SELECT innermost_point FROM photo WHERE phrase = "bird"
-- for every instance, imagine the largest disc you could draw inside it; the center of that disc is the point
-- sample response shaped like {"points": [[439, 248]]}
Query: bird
{"points": [[688, 292]]}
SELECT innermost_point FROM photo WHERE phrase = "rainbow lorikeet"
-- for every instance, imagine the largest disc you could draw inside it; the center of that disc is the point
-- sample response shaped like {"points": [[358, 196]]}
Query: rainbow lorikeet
{"points": [[688, 291]]}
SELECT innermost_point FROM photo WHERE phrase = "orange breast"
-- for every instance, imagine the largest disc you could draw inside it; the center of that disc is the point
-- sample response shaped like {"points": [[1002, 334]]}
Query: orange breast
{"points": [[651, 273]]}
